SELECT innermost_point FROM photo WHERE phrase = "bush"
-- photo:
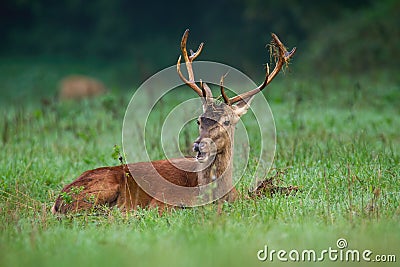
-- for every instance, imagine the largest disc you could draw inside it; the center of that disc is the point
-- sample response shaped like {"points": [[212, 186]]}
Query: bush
{"points": [[363, 41]]}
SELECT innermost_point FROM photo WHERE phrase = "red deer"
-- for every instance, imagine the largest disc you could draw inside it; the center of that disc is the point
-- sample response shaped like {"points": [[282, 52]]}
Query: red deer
{"points": [[77, 87], [118, 186]]}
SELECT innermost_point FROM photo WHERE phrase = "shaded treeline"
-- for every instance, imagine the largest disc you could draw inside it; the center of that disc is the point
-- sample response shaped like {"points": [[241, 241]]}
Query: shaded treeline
{"points": [[147, 31]]}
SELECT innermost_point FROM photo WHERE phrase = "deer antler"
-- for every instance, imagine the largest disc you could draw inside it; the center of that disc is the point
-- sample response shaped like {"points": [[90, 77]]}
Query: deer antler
{"points": [[283, 56], [188, 60], [224, 96]]}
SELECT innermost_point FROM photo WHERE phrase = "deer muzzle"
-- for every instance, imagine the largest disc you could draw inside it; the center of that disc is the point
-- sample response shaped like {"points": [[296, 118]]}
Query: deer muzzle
{"points": [[205, 149]]}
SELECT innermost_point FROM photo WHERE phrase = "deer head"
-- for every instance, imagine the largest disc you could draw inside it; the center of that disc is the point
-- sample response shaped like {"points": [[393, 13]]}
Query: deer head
{"points": [[218, 121]]}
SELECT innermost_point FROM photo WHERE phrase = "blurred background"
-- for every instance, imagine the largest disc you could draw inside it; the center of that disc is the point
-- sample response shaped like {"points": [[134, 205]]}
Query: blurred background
{"points": [[123, 42]]}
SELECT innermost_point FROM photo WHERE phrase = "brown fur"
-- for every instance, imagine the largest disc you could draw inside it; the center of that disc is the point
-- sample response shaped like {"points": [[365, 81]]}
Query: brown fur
{"points": [[115, 186], [77, 87]]}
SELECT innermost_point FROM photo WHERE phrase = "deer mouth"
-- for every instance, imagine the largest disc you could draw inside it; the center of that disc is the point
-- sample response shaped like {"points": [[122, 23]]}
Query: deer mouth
{"points": [[205, 149], [201, 156], [202, 152]]}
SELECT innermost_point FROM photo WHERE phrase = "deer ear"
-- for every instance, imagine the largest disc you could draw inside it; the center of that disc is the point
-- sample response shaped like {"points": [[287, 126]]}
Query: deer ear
{"points": [[207, 95], [241, 107], [206, 91]]}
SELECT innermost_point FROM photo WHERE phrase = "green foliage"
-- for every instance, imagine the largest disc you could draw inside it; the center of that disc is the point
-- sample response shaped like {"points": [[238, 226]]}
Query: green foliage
{"points": [[66, 197], [337, 135], [332, 36], [337, 139], [365, 41], [76, 190], [117, 152]]}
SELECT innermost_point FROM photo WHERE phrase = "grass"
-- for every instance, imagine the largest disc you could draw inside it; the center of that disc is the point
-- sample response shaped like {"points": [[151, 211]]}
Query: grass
{"points": [[337, 139]]}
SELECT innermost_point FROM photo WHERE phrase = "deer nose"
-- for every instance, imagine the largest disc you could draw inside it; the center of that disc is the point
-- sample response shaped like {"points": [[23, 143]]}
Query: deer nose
{"points": [[196, 147]]}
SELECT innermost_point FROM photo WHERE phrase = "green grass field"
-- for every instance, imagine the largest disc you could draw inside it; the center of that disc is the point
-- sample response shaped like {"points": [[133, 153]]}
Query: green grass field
{"points": [[337, 139]]}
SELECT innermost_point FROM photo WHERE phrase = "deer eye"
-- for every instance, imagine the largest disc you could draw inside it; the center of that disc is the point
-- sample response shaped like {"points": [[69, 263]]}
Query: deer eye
{"points": [[226, 123]]}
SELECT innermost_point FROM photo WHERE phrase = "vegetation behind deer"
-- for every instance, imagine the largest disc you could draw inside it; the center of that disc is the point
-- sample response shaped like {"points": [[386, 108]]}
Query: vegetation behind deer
{"points": [[337, 117], [341, 149]]}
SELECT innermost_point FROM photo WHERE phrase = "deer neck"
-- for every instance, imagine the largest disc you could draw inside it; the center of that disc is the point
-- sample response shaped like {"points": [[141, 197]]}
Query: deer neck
{"points": [[219, 172], [221, 168]]}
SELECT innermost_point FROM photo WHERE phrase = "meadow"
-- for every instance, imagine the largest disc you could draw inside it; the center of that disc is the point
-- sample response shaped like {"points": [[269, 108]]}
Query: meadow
{"points": [[337, 140]]}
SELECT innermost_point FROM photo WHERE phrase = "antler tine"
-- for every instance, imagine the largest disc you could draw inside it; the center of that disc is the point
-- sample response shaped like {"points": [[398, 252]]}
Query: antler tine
{"points": [[283, 58], [193, 56], [188, 60], [224, 96], [205, 89]]}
